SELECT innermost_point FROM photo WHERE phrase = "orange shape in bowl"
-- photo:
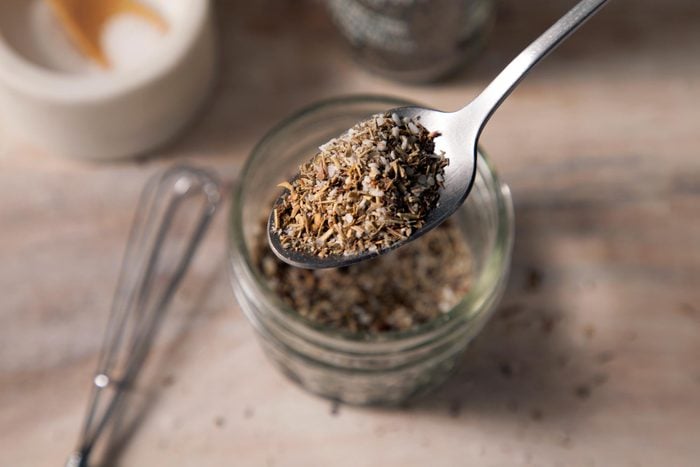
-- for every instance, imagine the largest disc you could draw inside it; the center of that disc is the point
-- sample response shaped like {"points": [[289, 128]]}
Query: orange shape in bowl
{"points": [[83, 21]]}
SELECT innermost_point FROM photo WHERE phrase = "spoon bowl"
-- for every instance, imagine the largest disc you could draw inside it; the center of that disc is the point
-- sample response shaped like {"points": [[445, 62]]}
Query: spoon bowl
{"points": [[459, 136], [459, 177]]}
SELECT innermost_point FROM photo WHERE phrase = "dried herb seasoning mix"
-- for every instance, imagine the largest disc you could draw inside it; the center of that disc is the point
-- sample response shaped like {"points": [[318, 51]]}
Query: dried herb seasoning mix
{"points": [[407, 287], [363, 191]]}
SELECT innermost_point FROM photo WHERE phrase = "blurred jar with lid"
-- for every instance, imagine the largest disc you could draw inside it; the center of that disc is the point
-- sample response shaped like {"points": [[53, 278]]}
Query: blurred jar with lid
{"points": [[413, 40]]}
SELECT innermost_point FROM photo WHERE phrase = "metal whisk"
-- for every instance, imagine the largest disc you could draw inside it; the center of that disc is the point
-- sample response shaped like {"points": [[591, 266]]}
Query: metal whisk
{"points": [[147, 282]]}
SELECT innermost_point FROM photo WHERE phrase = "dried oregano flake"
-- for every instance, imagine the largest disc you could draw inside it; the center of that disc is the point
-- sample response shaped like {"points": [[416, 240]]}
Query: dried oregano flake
{"points": [[363, 191]]}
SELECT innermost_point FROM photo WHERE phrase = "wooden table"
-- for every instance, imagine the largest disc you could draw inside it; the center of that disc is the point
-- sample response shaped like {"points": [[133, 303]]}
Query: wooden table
{"points": [[593, 359]]}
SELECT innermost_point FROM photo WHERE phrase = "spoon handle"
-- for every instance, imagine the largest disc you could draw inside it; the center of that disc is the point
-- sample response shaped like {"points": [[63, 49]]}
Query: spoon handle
{"points": [[496, 92]]}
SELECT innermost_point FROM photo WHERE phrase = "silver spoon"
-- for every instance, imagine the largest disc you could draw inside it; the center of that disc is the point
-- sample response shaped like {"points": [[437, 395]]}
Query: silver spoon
{"points": [[460, 132]]}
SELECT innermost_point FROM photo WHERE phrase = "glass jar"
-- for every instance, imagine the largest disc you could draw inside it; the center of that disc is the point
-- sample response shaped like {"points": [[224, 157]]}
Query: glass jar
{"points": [[357, 368], [413, 40]]}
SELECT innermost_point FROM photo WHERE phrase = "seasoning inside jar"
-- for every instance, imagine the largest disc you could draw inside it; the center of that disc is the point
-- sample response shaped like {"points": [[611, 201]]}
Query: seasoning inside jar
{"points": [[363, 191], [394, 292], [321, 353]]}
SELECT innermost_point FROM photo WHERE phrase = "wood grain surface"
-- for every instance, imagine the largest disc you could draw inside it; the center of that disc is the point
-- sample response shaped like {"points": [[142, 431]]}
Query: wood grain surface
{"points": [[592, 360]]}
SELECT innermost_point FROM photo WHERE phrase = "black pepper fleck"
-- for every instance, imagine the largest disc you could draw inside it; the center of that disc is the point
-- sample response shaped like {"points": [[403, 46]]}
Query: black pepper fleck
{"points": [[533, 280], [582, 391], [455, 408], [510, 311], [335, 408], [506, 369]]}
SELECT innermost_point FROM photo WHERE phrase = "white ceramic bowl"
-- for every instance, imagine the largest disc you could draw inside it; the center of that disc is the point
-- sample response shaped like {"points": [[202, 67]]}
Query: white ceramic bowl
{"points": [[71, 108]]}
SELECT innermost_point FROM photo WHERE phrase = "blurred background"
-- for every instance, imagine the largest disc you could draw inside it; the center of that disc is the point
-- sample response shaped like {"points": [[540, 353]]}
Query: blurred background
{"points": [[592, 358]]}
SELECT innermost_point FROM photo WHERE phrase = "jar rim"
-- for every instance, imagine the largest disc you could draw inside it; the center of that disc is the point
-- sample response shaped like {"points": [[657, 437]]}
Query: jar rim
{"points": [[499, 258]]}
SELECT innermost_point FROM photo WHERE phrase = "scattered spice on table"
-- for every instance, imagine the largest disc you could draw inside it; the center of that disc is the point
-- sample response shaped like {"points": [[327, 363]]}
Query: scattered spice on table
{"points": [[364, 190], [400, 290]]}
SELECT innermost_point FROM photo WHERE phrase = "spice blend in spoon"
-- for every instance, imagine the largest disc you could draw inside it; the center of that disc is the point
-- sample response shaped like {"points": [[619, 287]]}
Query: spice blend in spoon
{"points": [[363, 191]]}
